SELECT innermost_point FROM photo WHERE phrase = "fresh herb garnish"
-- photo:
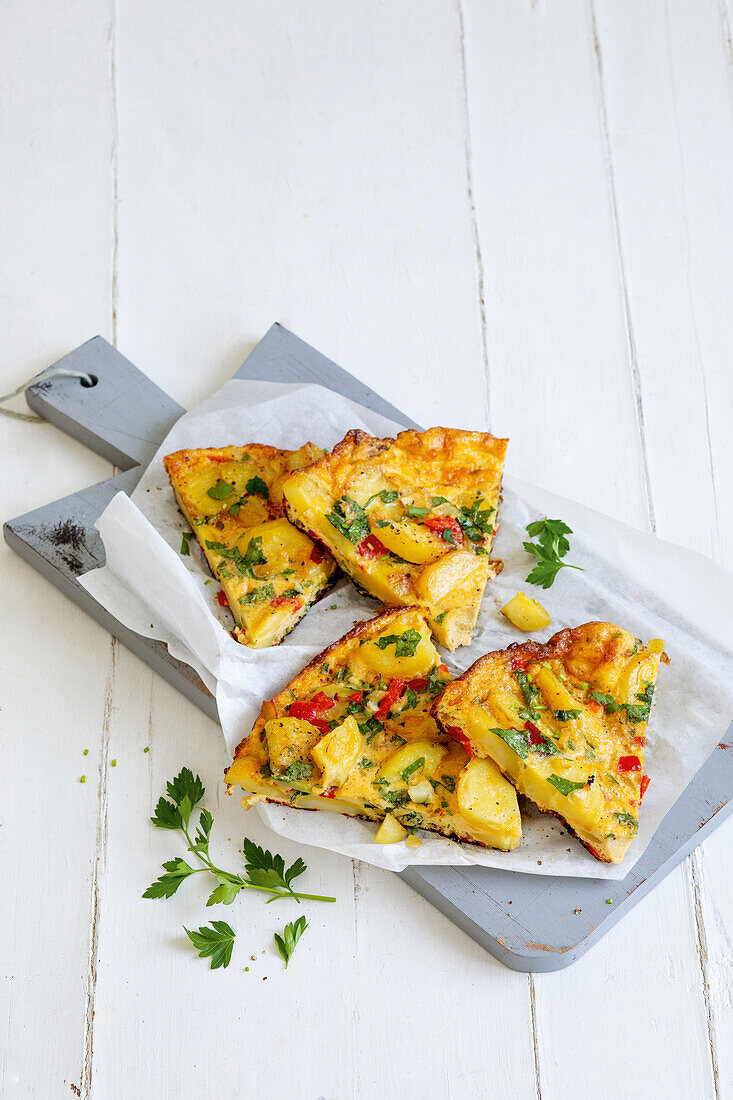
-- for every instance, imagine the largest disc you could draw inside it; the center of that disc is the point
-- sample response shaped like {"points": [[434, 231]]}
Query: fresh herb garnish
{"points": [[639, 712], [405, 644], [220, 491], [215, 943], [519, 741], [566, 715], [371, 728], [627, 819], [387, 496], [530, 691], [246, 562], [291, 934], [439, 618], [551, 548], [365, 762], [263, 870], [186, 537], [257, 487], [299, 769], [606, 701], [565, 786], [415, 512]]}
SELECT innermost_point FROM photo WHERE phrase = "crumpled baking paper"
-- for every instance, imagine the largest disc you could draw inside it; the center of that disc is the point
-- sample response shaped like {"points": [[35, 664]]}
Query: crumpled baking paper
{"points": [[652, 588]]}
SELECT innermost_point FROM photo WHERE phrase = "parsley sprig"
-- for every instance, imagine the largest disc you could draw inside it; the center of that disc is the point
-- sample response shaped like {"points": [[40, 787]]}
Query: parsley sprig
{"points": [[552, 547], [264, 871]]}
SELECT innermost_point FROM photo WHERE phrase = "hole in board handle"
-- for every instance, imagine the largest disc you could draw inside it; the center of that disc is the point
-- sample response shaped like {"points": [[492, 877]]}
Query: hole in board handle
{"points": [[89, 381]]}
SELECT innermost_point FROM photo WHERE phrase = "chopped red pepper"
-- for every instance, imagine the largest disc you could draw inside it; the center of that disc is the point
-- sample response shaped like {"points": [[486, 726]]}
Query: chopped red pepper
{"points": [[418, 683], [645, 781], [595, 707], [439, 524], [330, 794], [280, 601], [640, 740], [535, 737], [309, 709], [462, 739], [221, 598], [356, 697], [629, 764], [517, 661], [394, 691], [220, 458], [593, 852], [371, 547], [317, 555]]}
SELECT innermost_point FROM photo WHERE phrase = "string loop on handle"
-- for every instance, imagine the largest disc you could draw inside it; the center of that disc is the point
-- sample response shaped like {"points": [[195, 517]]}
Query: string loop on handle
{"points": [[50, 372]]}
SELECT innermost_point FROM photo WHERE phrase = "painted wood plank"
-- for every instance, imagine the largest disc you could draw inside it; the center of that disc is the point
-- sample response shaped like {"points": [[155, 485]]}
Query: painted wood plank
{"points": [[318, 179], [674, 210], [564, 379], [54, 289]]}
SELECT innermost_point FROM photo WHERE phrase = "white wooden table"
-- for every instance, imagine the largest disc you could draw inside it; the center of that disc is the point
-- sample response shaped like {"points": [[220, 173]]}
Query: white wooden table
{"points": [[515, 213]]}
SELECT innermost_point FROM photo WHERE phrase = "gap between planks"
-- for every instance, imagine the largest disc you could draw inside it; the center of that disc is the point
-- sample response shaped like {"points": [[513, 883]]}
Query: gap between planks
{"points": [[691, 863]]}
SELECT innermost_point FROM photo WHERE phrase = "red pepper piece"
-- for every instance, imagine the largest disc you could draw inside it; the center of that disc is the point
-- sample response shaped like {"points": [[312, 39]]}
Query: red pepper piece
{"points": [[629, 764], [220, 458], [317, 555], [517, 661], [320, 724], [462, 739], [394, 691], [439, 524], [221, 598], [419, 683], [309, 709], [356, 697], [330, 794], [371, 547], [593, 852], [535, 737], [280, 601], [645, 781], [595, 707]]}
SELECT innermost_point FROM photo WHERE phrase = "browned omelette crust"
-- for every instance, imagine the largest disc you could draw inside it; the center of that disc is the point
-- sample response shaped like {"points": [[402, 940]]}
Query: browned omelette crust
{"points": [[445, 572], [342, 672], [604, 744], [265, 601]]}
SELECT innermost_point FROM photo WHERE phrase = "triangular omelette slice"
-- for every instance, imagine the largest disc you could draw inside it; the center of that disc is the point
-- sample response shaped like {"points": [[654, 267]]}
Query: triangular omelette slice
{"points": [[566, 723], [270, 572], [353, 733], [411, 520]]}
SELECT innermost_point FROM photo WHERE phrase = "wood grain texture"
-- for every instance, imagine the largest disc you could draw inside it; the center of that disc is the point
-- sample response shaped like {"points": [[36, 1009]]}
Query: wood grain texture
{"points": [[519, 209]]}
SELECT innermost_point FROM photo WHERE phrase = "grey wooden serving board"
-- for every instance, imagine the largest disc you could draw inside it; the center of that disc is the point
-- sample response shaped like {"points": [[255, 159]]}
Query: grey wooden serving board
{"points": [[529, 922]]}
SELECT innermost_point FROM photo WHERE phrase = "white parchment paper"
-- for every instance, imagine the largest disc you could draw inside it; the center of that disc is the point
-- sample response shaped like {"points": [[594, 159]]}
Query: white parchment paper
{"points": [[650, 587]]}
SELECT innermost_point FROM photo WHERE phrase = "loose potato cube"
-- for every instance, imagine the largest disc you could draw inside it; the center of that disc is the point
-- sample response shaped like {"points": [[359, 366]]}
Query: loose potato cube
{"points": [[525, 613], [337, 752], [390, 831], [413, 842]]}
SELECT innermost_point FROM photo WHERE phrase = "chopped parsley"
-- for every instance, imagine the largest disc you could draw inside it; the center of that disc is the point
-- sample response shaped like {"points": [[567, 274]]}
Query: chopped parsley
{"points": [[299, 769], [220, 491], [246, 562], [405, 644], [518, 740], [530, 691], [565, 786], [413, 767], [349, 519], [186, 537], [566, 715], [606, 701], [416, 512], [387, 496], [258, 595], [476, 521], [627, 819]]}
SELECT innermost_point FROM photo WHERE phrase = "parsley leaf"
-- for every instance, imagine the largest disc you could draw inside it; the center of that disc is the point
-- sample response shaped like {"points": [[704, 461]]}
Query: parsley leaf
{"points": [[246, 562], [216, 943], [530, 691], [186, 537], [405, 644], [553, 545], [413, 767], [565, 786], [566, 715], [606, 701], [349, 519], [220, 491], [291, 934], [257, 595], [416, 512], [299, 769], [516, 740], [476, 521], [387, 496], [627, 819], [257, 487]]}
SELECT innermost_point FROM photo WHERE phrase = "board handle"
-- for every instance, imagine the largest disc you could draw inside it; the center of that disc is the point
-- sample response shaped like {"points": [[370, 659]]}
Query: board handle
{"points": [[121, 415]]}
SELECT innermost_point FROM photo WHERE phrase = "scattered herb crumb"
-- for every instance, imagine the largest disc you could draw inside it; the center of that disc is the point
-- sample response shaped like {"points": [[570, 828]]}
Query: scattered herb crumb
{"points": [[147, 748], [609, 901], [114, 763], [86, 752], [82, 779]]}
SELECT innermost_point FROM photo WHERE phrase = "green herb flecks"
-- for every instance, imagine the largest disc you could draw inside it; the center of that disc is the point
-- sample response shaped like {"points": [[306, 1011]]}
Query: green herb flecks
{"points": [[565, 786], [349, 519], [258, 595], [405, 644], [257, 487], [186, 537], [566, 715], [220, 491], [627, 819], [476, 521]]}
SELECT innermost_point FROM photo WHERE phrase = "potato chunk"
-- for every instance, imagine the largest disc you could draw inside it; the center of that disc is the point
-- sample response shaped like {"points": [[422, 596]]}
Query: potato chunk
{"points": [[412, 541], [456, 580], [337, 752], [425, 754], [488, 802], [390, 831], [288, 739], [525, 613]]}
